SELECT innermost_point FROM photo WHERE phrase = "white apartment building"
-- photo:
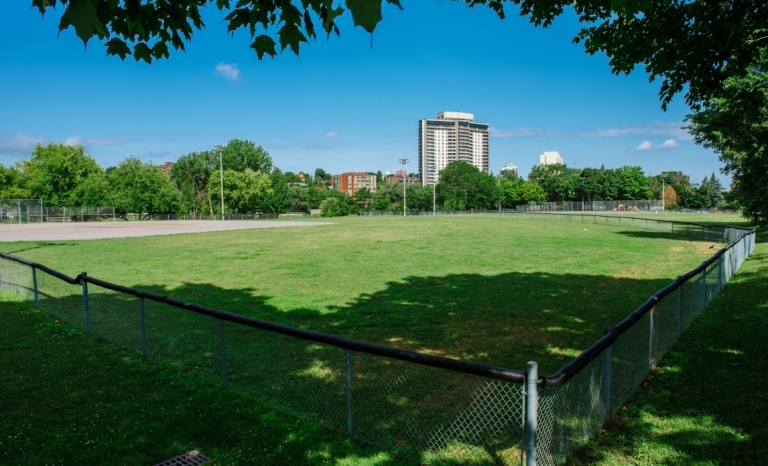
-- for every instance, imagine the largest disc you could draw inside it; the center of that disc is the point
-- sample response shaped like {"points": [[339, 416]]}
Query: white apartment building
{"points": [[452, 136], [510, 167], [550, 158]]}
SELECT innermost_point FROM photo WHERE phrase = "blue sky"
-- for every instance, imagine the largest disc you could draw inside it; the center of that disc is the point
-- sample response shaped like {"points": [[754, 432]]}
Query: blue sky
{"points": [[342, 105]]}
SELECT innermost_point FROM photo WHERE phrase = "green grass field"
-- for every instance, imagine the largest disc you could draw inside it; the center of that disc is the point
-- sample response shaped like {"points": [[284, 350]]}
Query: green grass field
{"points": [[495, 290], [488, 289]]}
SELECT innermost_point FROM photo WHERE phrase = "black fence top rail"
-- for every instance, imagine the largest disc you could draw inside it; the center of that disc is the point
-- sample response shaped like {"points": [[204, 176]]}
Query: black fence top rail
{"points": [[553, 381]]}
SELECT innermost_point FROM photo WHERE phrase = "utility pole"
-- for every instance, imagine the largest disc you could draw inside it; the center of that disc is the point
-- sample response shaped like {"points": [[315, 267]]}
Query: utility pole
{"points": [[404, 162], [221, 178]]}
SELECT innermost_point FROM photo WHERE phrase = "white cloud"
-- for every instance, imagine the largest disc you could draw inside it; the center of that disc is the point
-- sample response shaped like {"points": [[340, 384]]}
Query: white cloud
{"points": [[669, 144], [656, 129], [645, 145], [230, 72], [74, 141], [331, 134], [19, 143]]}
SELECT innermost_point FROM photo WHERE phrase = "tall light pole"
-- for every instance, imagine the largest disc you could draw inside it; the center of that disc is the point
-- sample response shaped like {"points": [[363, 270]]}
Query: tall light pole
{"points": [[434, 198], [221, 178], [404, 162], [663, 202]]}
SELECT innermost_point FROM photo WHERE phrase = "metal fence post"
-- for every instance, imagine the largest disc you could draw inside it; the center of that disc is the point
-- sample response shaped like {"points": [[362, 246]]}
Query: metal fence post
{"points": [[679, 310], [86, 307], [348, 360], [652, 340], [34, 286], [223, 355], [719, 273], [704, 288], [143, 330], [531, 411], [608, 368]]}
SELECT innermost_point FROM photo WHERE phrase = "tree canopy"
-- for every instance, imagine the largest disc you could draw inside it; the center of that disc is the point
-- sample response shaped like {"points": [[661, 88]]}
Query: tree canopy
{"points": [[735, 125]]}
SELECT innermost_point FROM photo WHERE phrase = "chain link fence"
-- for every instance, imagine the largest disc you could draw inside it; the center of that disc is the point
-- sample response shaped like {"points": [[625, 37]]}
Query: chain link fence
{"points": [[420, 407]]}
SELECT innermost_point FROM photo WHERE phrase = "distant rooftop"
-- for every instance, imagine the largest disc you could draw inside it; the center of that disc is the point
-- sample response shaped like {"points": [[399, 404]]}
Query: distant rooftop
{"points": [[456, 116]]}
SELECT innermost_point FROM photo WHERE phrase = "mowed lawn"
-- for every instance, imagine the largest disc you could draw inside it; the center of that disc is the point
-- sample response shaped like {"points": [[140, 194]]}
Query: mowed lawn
{"points": [[490, 289]]}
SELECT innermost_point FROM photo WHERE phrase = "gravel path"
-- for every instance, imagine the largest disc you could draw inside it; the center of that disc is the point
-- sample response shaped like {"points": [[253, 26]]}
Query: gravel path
{"points": [[100, 230]]}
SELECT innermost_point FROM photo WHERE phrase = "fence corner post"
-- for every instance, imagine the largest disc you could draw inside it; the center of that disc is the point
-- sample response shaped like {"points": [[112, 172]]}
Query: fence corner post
{"points": [[223, 355], [86, 306], [531, 411], [34, 287], [348, 363]]}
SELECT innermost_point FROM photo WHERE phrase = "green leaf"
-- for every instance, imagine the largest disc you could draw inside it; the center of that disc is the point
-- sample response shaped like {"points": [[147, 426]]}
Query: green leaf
{"points": [[160, 50], [117, 47], [291, 36], [264, 44], [142, 52], [81, 14], [365, 13]]}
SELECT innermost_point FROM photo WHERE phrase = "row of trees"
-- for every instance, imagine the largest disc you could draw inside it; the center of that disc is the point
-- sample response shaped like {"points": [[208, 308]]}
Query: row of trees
{"points": [[64, 175], [562, 183]]}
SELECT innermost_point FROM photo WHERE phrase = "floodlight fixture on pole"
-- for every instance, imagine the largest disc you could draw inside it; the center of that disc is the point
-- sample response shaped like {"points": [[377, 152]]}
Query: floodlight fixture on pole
{"points": [[220, 148], [404, 162]]}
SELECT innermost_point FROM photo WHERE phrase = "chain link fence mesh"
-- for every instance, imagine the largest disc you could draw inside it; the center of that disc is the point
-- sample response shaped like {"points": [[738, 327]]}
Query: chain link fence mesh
{"points": [[417, 412]]}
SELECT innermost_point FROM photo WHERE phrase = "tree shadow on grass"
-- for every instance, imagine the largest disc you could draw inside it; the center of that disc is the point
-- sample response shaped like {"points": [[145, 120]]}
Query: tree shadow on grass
{"points": [[39, 245], [689, 412]]}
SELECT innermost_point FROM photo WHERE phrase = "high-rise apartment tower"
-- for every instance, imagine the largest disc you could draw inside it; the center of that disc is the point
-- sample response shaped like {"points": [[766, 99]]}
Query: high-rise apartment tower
{"points": [[550, 158], [452, 136]]}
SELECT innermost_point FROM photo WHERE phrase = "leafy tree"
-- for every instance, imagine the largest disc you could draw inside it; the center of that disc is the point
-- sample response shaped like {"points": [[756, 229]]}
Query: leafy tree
{"points": [[715, 191], [334, 207], [299, 199], [463, 187], [94, 191], [12, 184], [279, 200], [528, 192], [191, 174], [316, 195], [141, 188], [735, 125], [597, 185], [240, 154], [632, 183], [510, 175], [244, 191], [379, 177], [363, 198], [558, 181], [54, 172]]}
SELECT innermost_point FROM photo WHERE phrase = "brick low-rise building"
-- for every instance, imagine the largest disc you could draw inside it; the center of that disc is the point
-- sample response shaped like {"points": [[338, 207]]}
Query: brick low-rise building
{"points": [[398, 178], [352, 181]]}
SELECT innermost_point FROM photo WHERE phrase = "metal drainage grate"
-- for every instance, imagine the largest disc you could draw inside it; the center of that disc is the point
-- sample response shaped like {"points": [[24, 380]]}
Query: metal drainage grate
{"points": [[193, 458]]}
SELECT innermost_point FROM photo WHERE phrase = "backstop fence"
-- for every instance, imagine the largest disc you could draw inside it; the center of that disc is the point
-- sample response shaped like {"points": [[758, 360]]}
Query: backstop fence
{"points": [[33, 211], [418, 406]]}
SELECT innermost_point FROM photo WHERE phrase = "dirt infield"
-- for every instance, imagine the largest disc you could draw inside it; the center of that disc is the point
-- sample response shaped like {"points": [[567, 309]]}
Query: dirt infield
{"points": [[101, 230]]}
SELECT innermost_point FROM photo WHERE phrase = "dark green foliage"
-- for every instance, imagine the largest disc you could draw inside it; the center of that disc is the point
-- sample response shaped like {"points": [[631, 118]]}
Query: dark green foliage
{"points": [[299, 199], [141, 188], [734, 124], [239, 154], [191, 174], [334, 207], [279, 201], [463, 187]]}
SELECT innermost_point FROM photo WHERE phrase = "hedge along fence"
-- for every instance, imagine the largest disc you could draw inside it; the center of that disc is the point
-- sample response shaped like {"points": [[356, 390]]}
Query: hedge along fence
{"points": [[418, 406]]}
